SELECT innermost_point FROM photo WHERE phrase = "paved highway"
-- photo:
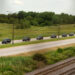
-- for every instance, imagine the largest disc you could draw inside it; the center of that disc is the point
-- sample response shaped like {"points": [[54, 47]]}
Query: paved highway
{"points": [[33, 39], [33, 47]]}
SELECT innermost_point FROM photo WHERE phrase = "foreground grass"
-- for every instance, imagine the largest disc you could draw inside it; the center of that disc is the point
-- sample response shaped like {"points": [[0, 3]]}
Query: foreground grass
{"points": [[34, 31], [20, 65], [34, 42]]}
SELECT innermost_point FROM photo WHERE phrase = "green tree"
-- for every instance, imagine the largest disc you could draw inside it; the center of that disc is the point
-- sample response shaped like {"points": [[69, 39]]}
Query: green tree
{"points": [[23, 24]]}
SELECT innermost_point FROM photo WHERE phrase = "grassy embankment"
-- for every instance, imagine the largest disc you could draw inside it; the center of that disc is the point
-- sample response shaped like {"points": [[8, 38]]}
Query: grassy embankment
{"points": [[18, 65], [34, 31]]}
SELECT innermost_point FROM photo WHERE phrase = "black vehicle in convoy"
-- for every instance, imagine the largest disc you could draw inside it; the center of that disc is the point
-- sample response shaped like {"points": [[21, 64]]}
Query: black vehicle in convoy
{"points": [[64, 35], [6, 41], [71, 34], [53, 36], [26, 39], [39, 38]]}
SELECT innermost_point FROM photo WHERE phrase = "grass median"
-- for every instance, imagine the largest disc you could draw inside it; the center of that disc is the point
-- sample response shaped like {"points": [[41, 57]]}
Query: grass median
{"points": [[33, 42]]}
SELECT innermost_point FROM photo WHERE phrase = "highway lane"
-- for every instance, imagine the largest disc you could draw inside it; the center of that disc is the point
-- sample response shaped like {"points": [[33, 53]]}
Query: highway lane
{"points": [[34, 47], [33, 39]]}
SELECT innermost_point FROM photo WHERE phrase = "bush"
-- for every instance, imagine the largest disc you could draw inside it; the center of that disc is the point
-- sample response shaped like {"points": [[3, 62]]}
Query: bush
{"points": [[60, 50], [39, 57]]}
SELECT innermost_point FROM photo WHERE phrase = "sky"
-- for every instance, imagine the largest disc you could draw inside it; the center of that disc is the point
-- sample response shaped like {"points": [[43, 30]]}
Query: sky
{"points": [[57, 6]]}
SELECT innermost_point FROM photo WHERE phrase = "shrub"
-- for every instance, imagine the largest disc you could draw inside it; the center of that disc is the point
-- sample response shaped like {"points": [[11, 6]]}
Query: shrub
{"points": [[39, 57], [60, 50]]}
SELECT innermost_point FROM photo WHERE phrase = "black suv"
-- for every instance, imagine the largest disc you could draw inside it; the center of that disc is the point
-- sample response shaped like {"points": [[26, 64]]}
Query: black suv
{"points": [[64, 35], [53, 36], [26, 39], [39, 38], [6, 41], [71, 34]]}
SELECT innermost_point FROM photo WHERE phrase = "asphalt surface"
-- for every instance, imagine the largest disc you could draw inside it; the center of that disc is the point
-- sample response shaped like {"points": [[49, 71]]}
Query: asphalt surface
{"points": [[33, 39], [33, 47]]}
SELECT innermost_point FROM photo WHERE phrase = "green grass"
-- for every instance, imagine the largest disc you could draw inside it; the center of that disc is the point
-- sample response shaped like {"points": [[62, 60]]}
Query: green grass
{"points": [[20, 65], [33, 42], [34, 31]]}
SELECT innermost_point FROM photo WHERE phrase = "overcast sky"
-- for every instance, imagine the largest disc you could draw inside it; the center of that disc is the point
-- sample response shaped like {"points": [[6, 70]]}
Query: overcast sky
{"points": [[58, 6]]}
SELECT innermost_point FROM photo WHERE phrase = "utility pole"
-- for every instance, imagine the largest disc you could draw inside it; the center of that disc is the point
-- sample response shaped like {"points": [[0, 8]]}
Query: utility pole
{"points": [[58, 31], [12, 31]]}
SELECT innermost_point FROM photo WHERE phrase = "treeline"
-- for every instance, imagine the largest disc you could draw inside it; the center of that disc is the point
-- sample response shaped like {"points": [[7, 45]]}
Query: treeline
{"points": [[26, 19]]}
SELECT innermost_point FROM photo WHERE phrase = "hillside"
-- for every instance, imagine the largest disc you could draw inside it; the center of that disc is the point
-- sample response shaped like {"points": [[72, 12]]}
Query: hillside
{"points": [[33, 31]]}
